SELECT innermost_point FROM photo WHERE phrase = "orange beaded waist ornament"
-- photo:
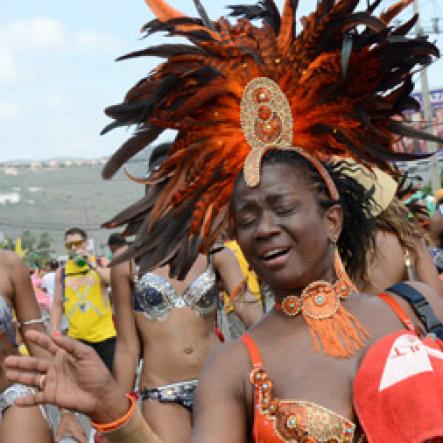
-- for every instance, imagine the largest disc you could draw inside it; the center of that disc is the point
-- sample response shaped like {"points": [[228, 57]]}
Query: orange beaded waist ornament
{"points": [[338, 87]]}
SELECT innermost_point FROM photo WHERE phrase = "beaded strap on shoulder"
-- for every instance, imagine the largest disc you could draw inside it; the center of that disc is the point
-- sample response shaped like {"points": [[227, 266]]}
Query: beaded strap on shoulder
{"points": [[253, 351]]}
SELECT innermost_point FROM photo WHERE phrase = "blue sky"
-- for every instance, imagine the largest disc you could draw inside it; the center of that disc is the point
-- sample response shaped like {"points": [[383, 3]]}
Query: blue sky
{"points": [[57, 70]]}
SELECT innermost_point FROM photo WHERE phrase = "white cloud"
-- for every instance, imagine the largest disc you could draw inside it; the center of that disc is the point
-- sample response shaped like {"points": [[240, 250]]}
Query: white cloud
{"points": [[58, 102], [94, 41], [9, 111], [10, 72], [37, 33]]}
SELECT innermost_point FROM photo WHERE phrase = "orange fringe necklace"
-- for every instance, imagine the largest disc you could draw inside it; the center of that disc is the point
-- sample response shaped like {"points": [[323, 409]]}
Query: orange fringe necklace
{"points": [[332, 327]]}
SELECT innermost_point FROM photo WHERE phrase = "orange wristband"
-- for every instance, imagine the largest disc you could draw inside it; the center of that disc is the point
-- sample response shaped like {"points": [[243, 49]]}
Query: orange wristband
{"points": [[108, 427], [239, 289]]}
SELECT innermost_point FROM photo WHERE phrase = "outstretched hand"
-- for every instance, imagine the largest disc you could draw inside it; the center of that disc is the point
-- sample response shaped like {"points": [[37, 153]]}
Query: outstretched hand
{"points": [[74, 379]]}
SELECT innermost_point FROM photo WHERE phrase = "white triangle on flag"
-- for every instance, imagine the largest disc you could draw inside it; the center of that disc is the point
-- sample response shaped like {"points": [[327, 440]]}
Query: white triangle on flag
{"points": [[408, 356]]}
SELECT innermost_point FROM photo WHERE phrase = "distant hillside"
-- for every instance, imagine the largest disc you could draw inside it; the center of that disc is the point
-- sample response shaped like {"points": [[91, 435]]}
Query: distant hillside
{"points": [[53, 199]]}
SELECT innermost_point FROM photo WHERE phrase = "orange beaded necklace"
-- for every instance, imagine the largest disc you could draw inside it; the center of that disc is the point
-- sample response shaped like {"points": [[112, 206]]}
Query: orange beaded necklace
{"points": [[332, 327]]}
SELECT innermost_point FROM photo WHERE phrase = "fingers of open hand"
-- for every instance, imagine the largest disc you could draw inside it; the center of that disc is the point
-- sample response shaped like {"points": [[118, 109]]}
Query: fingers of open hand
{"points": [[73, 347], [32, 400], [21, 364], [41, 340], [27, 378]]}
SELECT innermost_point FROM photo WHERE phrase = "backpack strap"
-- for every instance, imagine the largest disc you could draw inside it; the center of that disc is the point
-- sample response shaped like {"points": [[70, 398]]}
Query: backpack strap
{"points": [[421, 307]]}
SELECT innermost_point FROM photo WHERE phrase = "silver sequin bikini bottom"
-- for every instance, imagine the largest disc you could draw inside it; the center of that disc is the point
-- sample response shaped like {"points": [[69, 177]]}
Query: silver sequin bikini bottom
{"points": [[181, 393]]}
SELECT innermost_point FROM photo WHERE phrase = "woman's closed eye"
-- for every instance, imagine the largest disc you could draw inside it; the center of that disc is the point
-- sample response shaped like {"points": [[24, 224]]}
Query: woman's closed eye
{"points": [[245, 222], [285, 209]]}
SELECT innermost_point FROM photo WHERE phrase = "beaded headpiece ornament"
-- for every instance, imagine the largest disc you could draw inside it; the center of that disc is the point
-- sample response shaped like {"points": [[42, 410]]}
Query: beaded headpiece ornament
{"points": [[339, 86]]}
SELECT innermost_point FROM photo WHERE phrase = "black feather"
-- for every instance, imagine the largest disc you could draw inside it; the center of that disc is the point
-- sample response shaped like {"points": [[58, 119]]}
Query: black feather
{"points": [[406, 27], [166, 50], [131, 213], [113, 125], [130, 148], [408, 131], [373, 6], [264, 9], [137, 112], [272, 15], [251, 12]]}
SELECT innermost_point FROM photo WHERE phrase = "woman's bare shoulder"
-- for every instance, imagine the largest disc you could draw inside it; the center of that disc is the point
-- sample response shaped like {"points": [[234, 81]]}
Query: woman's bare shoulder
{"points": [[230, 356], [375, 310], [10, 259]]}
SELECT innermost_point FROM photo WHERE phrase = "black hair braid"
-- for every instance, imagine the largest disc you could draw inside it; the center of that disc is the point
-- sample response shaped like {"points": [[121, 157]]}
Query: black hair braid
{"points": [[357, 236], [358, 233]]}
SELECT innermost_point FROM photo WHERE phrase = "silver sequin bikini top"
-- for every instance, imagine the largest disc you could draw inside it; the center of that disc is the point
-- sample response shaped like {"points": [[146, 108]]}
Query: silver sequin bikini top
{"points": [[155, 296], [7, 321]]}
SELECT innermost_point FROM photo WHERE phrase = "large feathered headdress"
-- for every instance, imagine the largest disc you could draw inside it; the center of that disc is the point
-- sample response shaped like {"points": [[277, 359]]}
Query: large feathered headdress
{"points": [[337, 87]]}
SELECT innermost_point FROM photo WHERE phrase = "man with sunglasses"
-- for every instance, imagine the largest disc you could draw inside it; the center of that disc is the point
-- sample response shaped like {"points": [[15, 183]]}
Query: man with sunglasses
{"points": [[81, 294]]}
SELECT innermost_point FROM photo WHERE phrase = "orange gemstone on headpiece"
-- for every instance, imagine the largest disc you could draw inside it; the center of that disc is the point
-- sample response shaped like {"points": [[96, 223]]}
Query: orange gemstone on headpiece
{"points": [[269, 131], [264, 112], [262, 95]]}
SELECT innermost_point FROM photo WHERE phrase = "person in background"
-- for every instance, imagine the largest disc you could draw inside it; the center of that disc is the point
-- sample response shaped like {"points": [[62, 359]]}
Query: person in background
{"points": [[399, 251], [248, 305], [81, 293], [17, 300], [116, 242], [48, 283], [435, 228], [171, 323]]}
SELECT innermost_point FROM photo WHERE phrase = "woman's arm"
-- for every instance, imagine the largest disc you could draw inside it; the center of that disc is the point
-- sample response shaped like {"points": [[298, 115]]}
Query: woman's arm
{"points": [[426, 270], [246, 306], [77, 379], [24, 302], [220, 409], [127, 352], [56, 311]]}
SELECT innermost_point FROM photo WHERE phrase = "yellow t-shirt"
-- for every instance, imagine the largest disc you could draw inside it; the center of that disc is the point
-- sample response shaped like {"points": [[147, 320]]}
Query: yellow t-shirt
{"points": [[250, 276], [87, 305]]}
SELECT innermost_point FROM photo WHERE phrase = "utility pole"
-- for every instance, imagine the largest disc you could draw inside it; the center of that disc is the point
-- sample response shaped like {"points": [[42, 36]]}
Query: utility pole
{"points": [[428, 112]]}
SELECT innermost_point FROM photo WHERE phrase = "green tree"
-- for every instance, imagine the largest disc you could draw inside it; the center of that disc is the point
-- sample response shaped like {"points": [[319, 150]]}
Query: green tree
{"points": [[28, 240], [8, 244], [45, 241]]}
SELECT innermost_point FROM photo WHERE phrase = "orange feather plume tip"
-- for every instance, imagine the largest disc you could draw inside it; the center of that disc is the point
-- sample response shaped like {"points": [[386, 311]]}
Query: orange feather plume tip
{"points": [[162, 10], [347, 78]]}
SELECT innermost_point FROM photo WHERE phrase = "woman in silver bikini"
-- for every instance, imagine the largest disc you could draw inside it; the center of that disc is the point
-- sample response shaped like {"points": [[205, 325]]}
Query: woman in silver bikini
{"points": [[171, 323]]}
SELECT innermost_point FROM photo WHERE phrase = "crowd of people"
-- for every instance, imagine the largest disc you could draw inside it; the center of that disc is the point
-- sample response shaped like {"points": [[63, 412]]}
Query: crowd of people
{"points": [[276, 282]]}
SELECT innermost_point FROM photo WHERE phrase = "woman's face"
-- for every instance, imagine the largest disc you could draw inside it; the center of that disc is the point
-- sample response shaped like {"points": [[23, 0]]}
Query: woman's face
{"points": [[286, 237]]}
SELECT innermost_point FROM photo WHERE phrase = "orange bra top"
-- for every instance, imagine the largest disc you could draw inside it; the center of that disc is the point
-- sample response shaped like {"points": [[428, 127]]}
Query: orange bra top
{"points": [[277, 421], [288, 421]]}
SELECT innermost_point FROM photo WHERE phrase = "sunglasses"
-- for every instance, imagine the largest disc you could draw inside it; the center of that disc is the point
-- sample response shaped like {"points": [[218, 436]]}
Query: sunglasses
{"points": [[71, 244]]}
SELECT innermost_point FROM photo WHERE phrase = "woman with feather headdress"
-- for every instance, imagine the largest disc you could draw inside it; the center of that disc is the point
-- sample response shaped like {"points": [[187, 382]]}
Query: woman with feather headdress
{"points": [[259, 111]]}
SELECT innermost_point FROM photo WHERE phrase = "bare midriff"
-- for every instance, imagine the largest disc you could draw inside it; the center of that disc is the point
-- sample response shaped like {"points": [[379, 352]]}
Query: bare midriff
{"points": [[176, 348]]}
